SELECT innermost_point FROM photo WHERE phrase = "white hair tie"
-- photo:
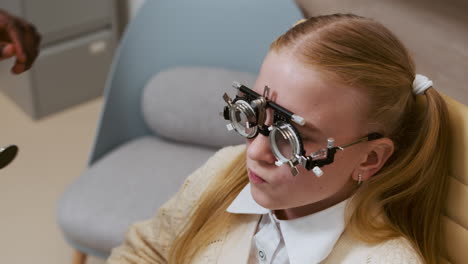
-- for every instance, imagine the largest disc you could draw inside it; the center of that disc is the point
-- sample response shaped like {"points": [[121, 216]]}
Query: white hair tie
{"points": [[420, 84]]}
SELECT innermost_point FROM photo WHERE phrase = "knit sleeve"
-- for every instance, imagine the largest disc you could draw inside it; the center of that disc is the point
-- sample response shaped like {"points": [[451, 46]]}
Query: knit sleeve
{"points": [[150, 241], [395, 251]]}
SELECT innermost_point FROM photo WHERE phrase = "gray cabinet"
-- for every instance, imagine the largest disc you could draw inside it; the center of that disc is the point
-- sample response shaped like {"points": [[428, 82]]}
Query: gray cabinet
{"points": [[78, 41]]}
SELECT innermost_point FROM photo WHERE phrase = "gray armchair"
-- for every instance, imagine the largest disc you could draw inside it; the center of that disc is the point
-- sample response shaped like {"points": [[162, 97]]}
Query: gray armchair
{"points": [[160, 119]]}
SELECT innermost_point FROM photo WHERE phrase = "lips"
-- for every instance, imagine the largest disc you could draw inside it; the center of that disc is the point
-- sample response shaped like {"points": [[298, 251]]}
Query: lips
{"points": [[254, 178]]}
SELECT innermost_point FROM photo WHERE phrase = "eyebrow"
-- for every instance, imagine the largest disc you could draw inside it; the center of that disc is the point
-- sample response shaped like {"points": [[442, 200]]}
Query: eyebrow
{"points": [[307, 130]]}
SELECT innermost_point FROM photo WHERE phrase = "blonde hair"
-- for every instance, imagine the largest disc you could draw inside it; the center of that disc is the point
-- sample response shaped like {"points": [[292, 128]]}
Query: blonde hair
{"points": [[406, 197]]}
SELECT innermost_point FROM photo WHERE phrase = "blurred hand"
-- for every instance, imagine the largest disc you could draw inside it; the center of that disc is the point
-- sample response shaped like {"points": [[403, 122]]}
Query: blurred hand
{"points": [[18, 38]]}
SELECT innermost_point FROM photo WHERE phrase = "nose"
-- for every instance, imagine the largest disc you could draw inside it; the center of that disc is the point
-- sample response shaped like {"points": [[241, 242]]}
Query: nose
{"points": [[269, 117], [258, 149]]}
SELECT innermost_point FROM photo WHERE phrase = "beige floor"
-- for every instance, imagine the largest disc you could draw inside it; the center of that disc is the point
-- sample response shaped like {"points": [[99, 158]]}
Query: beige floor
{"points": [[53, 152]]}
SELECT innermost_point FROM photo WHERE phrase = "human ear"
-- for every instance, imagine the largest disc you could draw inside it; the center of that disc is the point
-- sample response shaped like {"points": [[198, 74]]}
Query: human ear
{"points": [[377, 154]]}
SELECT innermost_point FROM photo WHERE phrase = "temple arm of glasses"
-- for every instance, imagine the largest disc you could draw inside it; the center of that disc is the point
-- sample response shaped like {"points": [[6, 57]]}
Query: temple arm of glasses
{"points": [[370, 137]]}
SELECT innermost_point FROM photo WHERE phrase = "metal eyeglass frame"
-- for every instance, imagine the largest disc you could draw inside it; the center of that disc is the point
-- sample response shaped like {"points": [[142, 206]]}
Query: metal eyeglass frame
{"points": [[254, 106]]}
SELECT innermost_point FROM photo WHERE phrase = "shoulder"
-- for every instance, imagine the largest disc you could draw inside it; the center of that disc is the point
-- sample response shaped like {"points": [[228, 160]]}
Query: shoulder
{"points": [[151, 240], [225, 156], [222, 159], [198, 181], [177, 210], [229, 153], [394, 251], [397, 250]]}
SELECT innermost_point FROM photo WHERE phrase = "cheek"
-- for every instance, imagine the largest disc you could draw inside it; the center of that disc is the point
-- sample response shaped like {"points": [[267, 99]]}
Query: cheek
{"points": [[335, 174], [313, 145], [334, 177], [305, 189], [343, 165], [249, 144]]}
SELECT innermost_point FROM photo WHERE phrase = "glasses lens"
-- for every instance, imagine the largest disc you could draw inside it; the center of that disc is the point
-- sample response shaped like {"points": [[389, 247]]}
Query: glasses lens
{"points": [[283, 144], [240, 120]]}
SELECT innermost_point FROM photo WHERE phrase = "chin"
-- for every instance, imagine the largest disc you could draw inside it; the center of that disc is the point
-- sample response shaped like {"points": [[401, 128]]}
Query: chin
{"points": [[264, 200]]}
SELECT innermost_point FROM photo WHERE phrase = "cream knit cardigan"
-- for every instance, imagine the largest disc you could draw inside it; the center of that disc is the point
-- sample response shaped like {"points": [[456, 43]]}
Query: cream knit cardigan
{"points": [[149, 241]]}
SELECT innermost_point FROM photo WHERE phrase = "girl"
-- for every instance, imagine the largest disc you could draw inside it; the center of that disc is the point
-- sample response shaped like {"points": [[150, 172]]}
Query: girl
{"points": [[378, 200]]}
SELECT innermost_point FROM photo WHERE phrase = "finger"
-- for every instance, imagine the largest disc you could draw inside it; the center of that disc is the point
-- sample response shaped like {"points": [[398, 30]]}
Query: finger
{"points": [[15, 31], [3, 34], [18, 68], [6, 50], [31, 45]]}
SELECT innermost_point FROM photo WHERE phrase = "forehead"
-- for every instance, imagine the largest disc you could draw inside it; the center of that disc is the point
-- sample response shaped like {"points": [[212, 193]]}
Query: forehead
{"points": [[324, 103]]}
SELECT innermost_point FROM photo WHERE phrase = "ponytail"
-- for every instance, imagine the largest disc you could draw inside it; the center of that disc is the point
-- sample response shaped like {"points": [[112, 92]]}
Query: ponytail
{"points": [[411, 189]]}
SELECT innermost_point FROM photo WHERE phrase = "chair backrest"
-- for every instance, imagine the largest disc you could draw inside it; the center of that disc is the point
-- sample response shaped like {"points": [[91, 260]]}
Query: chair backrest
{"points": [[183, 104], [456, 216], [165, 34]]}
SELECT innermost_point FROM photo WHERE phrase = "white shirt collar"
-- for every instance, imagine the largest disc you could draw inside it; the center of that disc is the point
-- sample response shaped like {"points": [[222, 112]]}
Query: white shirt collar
{"points": [[308, 239]]}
